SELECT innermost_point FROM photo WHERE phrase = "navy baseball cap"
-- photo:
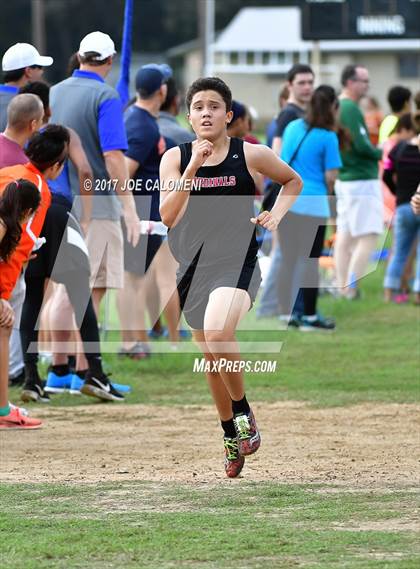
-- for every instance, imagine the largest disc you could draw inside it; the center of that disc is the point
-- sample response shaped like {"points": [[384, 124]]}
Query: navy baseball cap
{"points": [[239, 111], [151, 77]]}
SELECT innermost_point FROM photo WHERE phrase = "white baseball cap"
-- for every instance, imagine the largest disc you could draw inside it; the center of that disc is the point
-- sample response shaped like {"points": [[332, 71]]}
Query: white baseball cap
{"points": [[23, 55], [99, 42]]}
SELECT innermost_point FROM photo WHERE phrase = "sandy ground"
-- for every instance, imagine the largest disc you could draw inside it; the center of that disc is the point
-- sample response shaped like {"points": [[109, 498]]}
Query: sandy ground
{"points": [[362, 445]]}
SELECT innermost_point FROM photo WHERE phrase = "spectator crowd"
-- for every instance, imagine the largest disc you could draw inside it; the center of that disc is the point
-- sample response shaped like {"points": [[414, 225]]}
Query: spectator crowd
{"points": [[70, 230]]}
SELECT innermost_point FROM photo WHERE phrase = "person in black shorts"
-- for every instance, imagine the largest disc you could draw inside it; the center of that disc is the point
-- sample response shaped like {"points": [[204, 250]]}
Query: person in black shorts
{"points": [[63, 258], [207, 201]]}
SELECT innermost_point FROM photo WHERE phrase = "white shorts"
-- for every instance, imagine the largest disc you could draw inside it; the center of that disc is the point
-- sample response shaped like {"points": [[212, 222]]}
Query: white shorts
{"points": [[360, 207]]}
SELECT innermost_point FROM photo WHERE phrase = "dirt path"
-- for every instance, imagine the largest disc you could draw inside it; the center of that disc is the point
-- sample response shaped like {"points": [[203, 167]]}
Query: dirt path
{"points": [[362, 445]]}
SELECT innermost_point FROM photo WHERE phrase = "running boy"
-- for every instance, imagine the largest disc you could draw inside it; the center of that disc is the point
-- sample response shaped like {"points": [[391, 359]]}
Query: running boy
{"points": [[207, 201]]}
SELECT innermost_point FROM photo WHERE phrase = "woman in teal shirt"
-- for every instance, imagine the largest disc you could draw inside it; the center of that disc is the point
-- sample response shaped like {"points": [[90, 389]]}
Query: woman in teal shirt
{"points": [[311, 147]]}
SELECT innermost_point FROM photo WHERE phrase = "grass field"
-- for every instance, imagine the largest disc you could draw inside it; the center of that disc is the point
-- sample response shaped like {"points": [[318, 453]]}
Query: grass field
{"points": [[250, 525], [373, 357]]}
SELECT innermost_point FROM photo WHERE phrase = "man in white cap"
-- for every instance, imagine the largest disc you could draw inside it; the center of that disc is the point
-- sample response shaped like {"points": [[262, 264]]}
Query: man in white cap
{"points": [[85, 103], [21, 63]]}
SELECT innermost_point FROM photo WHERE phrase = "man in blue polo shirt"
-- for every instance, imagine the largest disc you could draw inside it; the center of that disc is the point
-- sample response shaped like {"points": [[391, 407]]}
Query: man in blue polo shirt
{"points": [[21, 63], [85, 103], [146, 146]]}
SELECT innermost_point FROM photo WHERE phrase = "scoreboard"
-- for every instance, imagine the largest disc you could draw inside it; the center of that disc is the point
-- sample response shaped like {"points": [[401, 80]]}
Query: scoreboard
{"points": [[360, 19]]}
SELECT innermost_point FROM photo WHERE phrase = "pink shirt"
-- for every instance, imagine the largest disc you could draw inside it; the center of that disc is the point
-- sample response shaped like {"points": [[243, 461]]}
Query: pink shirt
{"points": [[11, 153]]}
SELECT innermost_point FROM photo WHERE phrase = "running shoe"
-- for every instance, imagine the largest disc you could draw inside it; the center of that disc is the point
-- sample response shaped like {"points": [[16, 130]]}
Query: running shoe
{"points": [[183, 333], [16, 420], [401, 298], [58, 383], [249, 438], [320, 324], [99, 386], [77, 383], [139, 351], [289, 320], [234, 462], [155, 334], [34, 391], [22, 410]]}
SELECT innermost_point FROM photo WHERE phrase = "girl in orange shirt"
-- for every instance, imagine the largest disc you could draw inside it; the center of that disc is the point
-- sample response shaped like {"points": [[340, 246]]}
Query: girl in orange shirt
{"points": [[18, 204]]}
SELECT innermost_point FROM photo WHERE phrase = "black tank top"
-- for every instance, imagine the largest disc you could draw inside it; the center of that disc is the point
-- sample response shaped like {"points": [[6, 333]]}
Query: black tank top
{"points": [[216, 228]]}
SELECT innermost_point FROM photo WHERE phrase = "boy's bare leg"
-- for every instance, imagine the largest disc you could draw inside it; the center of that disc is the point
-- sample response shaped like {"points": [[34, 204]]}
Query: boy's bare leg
{"points": [[217, 387], [225, 309], [234, 462]]}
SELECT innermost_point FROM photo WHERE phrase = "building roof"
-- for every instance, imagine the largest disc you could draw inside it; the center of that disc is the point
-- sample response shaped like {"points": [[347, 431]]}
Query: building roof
{"points": [[263, 29], [400, 44]]}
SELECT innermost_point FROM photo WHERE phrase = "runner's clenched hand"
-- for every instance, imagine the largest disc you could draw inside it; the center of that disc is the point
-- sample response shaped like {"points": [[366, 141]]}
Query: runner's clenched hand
{"points": [[267, 220]]}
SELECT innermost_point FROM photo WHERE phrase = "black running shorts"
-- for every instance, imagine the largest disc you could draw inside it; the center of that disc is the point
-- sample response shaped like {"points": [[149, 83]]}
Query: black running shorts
{"points": [[196, 283]]}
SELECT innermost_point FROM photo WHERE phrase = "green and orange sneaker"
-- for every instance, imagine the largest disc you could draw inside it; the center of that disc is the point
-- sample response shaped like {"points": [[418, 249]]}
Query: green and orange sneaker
{"points": [[234, 462], [249, 438]]}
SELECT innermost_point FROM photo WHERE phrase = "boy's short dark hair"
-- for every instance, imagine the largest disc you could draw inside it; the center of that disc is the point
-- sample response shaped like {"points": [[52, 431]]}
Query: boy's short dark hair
{"points": [[398, 96], [298, 68], [210, 84]]}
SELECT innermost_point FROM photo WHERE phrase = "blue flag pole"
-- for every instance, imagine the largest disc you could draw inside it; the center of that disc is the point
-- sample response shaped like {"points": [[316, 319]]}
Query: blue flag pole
{"points": [[124, 80]]}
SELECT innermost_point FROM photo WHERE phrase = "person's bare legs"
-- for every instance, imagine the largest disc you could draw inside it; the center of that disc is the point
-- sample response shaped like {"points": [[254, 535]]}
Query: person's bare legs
{"points": [[61, 324], [153, 303], [64, 331], [131, 304], [164, 270], [97, 296], [125, 307], [225, 309], [342, 255], [364, 246], [217, 387], [44, 336], [5, 332], [234, 461], [140, 330]]}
